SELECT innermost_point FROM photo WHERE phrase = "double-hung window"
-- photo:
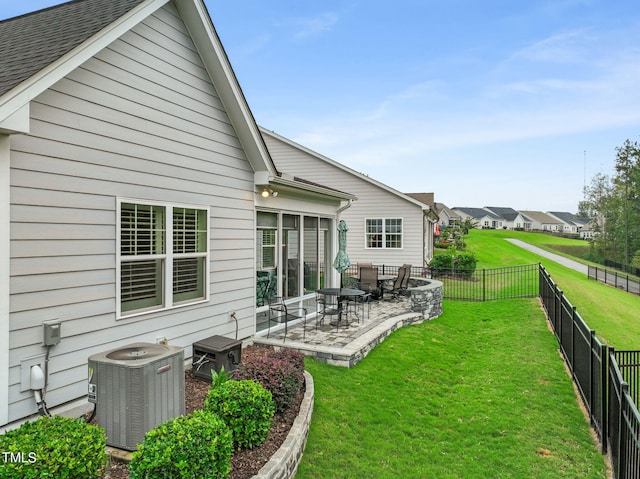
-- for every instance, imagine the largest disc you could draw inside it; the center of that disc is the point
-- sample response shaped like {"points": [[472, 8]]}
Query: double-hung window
{"points": [[383, 233], [164, 256]]}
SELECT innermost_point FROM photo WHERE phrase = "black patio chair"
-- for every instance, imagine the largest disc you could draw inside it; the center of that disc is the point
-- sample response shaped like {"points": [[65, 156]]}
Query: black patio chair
{"points": [[397, 284], [405, 280], [368, 281], [356, 304], [327, 305], [280, 312]]}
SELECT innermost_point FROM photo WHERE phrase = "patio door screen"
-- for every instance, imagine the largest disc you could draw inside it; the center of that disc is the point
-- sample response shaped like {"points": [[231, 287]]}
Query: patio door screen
{"points": [[316, 242], [291, 255]]}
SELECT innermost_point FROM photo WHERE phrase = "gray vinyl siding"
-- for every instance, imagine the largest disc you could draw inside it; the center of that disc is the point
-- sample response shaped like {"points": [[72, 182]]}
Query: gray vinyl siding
{"points": [[139, 120], [373, 202]]}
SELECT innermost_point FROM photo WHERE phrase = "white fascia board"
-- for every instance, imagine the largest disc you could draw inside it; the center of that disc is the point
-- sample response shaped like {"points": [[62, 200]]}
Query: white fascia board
{"points": [[18, 122], [16, 99], [197, 20], [5, 256]]}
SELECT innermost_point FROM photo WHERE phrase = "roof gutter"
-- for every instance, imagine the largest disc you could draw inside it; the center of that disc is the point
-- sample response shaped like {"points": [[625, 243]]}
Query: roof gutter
{"points": [[348, 205]]}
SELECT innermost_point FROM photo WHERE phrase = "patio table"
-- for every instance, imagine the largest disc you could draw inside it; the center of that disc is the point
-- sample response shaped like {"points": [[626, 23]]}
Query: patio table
{"points": [[341, 293]]}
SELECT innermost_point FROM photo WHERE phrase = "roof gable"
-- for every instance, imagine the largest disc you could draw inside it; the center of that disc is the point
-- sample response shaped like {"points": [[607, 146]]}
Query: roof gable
{"points": [[507, 213], [569, 218], [75, 31], [33, 41], [342, 167]]}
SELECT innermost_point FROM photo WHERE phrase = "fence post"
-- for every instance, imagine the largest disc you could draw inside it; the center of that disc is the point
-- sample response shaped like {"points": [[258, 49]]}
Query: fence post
{"points": [[557, 308], [573, 341], [604, 411], [622, 432], [484, 284]]}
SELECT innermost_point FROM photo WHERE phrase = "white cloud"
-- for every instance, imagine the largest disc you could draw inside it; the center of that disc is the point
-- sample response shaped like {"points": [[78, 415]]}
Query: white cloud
{"points": [[306, 27]]}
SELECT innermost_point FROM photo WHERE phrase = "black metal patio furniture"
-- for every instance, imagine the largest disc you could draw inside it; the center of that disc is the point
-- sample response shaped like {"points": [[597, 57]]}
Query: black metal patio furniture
{"points": [[405, 280], [397, 283], [368, 281], [342, 294], [280, 312], [358, 305], [325, 306]]}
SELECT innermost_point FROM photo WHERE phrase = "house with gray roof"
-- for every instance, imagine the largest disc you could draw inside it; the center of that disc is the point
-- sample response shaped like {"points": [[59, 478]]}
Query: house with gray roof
{"points": [[137, 195], [512, 219], [484, 218], [446, 215], [543, 222], [571, 223]]}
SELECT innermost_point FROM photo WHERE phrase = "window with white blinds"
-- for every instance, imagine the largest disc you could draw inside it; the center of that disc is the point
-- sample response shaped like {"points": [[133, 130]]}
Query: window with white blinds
{"points": [[163, 256]]}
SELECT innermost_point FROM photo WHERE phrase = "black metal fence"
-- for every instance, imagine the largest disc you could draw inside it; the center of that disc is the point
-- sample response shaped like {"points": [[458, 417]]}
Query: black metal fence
{"points": [[584, 353], [608, 380], [474, 284], [624, 419], [626, 268], [489, 284], [615, 279]]}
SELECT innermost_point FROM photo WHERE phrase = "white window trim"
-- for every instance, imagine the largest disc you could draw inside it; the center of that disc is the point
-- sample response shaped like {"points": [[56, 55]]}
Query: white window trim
{"points": [[168, 256], [384, 233]]}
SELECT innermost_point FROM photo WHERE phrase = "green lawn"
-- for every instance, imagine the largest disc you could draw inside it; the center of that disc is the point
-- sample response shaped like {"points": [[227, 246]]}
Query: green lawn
{"points": [[478, 392], [611, 312]]}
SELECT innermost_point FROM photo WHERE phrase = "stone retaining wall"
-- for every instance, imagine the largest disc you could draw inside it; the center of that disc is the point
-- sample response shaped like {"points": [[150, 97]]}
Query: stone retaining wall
{"points": [[284, 463], [426, 297]]}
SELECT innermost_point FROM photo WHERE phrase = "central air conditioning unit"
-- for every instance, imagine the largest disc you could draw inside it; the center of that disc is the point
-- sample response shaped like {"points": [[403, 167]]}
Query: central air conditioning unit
{"points": [[135, 388]]}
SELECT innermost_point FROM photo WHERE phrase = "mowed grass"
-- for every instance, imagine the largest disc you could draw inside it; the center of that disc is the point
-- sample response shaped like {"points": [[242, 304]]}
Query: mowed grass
{"points": [[611, 312], [480, 392]]}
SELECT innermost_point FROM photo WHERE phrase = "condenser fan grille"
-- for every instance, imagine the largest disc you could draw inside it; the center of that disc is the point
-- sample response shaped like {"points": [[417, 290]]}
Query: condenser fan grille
{"points": [[136, 353]]}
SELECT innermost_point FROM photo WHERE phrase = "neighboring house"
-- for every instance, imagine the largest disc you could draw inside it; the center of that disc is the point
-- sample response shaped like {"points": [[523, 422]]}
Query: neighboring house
{"points": [[446, 215], [512, 218], [589, 230], [543, 222], [385, 226], [570, 223], [131, 169], [483, 218]]}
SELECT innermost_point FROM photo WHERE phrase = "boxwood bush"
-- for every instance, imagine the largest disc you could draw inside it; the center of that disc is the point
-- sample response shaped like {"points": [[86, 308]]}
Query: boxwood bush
{"points": [[197, 445], [280, 372], [54, 447], [247, 408]]}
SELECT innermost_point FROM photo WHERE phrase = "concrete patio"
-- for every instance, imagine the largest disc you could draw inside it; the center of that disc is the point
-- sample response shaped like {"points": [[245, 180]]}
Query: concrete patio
{"points": [[346, 345]]}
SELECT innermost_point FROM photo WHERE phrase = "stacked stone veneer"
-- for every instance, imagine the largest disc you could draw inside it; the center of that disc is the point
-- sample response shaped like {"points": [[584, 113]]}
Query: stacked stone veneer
{"points": [[426, 297], [284, 463]]}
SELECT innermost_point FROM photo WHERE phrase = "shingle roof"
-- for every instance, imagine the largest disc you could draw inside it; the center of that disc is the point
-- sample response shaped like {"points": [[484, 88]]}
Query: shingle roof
{"points": [[477, 212], [541, 217], [508, 214], [30, 42], [569, 218]]}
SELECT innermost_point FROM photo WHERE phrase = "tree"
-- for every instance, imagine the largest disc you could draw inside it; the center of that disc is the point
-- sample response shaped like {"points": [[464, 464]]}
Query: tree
{"points": [[627, 180]]}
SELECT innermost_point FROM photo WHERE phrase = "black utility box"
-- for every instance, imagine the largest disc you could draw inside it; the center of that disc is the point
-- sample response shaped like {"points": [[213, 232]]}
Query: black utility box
{"points": [[213, 353]]}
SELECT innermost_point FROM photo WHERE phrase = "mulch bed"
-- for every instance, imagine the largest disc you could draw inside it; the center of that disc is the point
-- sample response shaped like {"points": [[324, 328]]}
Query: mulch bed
{"points": [[244, 463]]}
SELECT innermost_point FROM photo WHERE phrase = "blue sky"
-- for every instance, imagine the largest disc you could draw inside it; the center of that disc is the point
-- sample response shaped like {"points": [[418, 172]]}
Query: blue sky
{"points": [[492, 103]]}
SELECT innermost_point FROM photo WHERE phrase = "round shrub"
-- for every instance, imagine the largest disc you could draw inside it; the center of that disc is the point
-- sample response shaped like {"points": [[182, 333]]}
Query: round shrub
{"points": [[246, 407], [53, 447], [280, 372], [196, 445]]}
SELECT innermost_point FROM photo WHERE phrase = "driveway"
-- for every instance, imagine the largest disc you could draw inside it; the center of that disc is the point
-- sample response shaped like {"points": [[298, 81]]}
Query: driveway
{"points": [[569, 263]]}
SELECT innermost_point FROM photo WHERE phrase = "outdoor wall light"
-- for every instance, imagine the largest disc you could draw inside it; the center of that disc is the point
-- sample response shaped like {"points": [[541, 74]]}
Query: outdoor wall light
{"points": [[266, 192]]}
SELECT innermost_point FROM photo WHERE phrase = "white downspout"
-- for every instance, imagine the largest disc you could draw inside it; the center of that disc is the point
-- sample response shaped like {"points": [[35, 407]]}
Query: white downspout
{"points": [[5, 254], [342, 208]]}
